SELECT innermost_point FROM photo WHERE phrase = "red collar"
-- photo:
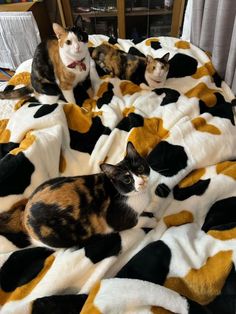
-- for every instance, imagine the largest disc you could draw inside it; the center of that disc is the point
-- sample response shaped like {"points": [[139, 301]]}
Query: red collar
{"points": [[80, 63]]}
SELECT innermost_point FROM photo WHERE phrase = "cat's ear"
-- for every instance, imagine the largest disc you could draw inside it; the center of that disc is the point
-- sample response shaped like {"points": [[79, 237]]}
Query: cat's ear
{"points": [[58, 30], [166, 57], [149, 59], [79, 22], [108, 169], [131, 152]]}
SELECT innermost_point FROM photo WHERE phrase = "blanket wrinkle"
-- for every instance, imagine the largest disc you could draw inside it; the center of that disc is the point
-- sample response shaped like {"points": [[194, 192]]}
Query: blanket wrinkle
{"points": [[180, 257]]}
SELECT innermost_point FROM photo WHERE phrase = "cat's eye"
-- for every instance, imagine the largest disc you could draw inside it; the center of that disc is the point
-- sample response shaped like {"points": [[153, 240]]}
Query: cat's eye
{"points": [[140, 169], [68, 42], [162, 67], [127, 180]]}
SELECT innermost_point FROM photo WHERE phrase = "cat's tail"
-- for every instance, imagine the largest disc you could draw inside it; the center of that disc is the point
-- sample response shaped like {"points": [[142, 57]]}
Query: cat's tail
{"points": [[12, 220], [16, 93]]}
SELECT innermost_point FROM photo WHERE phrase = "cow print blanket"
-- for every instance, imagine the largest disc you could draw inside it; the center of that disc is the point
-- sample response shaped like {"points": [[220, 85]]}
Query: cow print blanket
{"points": [[186, 263]]}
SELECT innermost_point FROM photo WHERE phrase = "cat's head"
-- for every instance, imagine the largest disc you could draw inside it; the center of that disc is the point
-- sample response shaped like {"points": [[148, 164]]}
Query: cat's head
{"points": [[73, 41], [157, 68], [131, 174]]}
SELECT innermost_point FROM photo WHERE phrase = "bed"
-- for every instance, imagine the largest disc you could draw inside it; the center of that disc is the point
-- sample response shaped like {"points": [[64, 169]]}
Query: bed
{"points": [[186, 263]]}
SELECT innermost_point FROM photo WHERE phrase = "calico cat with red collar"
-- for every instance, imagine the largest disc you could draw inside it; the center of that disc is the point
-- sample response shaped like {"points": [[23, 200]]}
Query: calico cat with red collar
{"points": [[59, 64]]}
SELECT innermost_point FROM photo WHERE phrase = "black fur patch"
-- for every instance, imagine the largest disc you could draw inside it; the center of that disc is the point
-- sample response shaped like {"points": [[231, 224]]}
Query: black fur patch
{"points": [[85, 142], [195, 308], [44, 110], [133, 120], [59, 304], [149, 264], [15, 174], [222, 108], [182, 65], [22, 266], [221, 213], [102, 246], [167, 159], [162, 190], [136, 52], [9, 87], [19, 239], [171, 96], [197, 188]]}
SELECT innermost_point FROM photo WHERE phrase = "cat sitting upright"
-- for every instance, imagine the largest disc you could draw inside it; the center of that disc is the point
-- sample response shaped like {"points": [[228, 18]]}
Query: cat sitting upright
{"points": [[59, 64], [148, 71]]}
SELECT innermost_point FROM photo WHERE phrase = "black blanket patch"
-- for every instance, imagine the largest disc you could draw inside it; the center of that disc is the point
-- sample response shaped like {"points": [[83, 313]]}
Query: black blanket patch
{"points": [[222, 108], [162, 156], [106, 97], [182, 65], [197, 188], [45, 110], [5, 148], [19, 239], [59, 304], [22, 266], [150, 264], [15, 174], [171, 95], [162, 190], [85, 142], [221, 213], [133, 120]]}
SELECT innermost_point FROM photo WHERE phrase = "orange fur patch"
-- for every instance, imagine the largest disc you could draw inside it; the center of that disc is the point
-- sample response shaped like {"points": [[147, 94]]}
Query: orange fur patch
{"points": [[20, 78]]}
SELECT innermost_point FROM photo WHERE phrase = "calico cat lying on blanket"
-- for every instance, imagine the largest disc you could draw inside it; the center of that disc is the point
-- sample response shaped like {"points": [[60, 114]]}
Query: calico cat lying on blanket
{"points": [[66, 211], [149, 70], [59, 64]]}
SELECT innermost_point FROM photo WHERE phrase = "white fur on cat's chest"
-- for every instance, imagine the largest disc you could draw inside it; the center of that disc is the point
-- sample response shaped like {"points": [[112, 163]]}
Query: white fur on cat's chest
{"points": [[139, 201]]}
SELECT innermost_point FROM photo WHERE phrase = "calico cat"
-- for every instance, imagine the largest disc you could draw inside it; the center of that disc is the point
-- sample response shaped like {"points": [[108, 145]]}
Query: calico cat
{"points": [[157, 70], [67, 211], [59, 64], [147, 70]]}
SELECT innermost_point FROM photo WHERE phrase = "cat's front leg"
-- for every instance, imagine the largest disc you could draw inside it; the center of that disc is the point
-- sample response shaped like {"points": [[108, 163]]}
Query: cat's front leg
{"points": [[69, 95]]}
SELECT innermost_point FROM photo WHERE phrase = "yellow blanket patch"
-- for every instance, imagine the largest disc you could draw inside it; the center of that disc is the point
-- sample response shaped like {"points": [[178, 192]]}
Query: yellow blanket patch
{"points": [[4, 132], [228, 168], [204, 93], [200, 124], [204, 284], [181, 218], [151, 134]]}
